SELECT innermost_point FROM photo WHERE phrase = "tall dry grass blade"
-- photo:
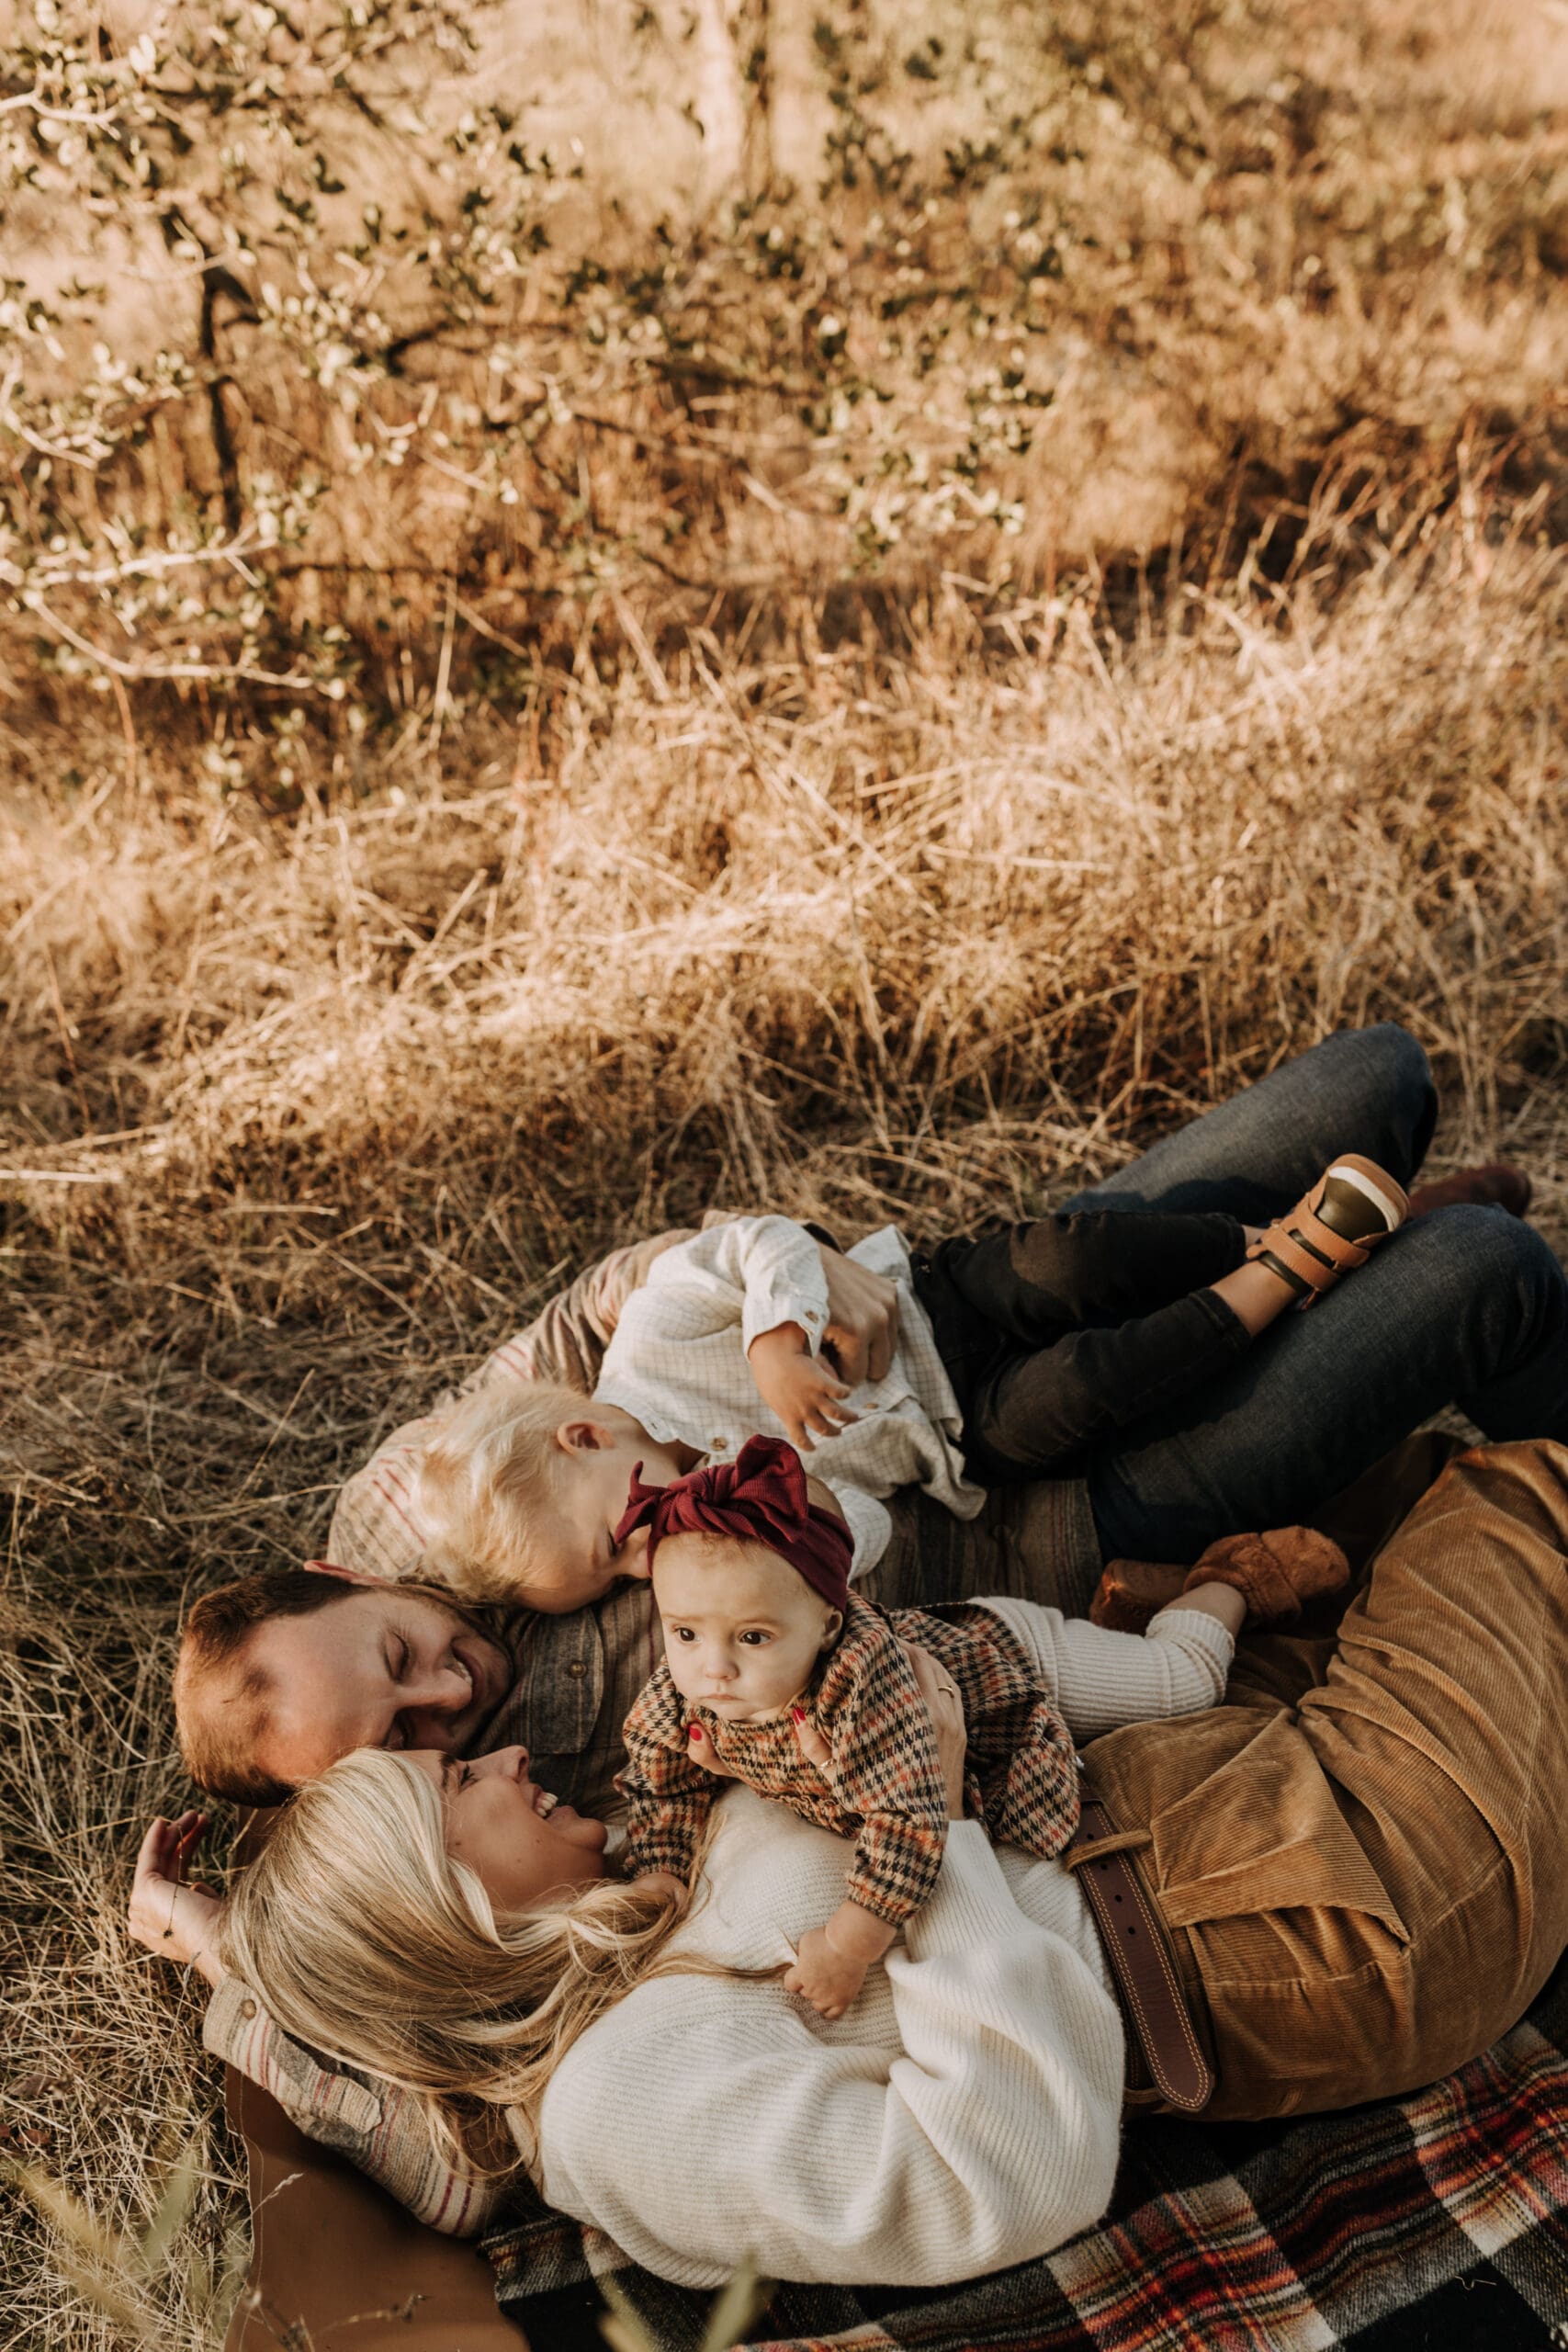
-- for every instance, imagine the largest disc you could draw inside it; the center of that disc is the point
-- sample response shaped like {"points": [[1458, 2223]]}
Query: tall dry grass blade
{"points": [[172, 2209], [622, 2325], [736, 2308], [101, 2264]]}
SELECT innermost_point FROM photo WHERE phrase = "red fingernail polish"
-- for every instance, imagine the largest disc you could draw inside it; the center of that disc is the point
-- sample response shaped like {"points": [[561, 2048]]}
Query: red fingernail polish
{"points": [[693, 1730], [799, 1713]]}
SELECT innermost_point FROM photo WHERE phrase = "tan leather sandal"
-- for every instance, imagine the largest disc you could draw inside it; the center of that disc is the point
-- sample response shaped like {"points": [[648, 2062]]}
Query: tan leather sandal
{"points": [[1334, 1228]]}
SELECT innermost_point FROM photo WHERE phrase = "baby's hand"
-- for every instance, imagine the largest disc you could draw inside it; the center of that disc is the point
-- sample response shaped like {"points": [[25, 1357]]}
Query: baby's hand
{"points": [[802, 1389], [665, 1882], [828, 1979]]}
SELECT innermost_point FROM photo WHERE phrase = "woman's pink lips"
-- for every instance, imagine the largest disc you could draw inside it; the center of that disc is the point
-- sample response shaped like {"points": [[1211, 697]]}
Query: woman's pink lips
{"points": [[536, 1796]]}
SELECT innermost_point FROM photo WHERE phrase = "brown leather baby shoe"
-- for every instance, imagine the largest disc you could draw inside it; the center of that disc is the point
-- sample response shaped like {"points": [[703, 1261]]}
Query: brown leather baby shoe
{"points": [[1274, 1573], [1334, 1228], [1132, 1591]]}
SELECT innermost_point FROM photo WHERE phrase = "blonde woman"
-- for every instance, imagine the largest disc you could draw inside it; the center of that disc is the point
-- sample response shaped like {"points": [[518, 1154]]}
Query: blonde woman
{"points": [[436, 1923], [1318, 1863]]}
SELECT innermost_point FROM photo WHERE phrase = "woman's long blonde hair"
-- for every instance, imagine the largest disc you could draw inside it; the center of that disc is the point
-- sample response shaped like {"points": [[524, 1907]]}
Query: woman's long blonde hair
{"points": [[368, 1942]]}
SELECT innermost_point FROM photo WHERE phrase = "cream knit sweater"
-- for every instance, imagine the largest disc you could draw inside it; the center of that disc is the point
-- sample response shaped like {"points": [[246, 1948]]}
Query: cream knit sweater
{"points": [[963, 2116]]}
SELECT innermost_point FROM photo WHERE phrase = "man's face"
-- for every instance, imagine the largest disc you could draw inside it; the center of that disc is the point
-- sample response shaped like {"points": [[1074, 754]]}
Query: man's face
{"points": [[378, 1669]]}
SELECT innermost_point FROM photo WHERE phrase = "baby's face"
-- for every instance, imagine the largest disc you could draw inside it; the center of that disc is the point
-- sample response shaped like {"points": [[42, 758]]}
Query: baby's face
{"points": [[742, 1631]]}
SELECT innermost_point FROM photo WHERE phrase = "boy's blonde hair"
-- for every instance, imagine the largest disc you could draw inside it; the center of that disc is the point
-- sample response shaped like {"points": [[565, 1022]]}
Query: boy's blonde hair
{"points": [[494, 1466]]}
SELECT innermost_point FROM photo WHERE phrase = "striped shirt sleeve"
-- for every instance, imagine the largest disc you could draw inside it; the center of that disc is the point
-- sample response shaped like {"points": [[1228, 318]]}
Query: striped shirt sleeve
{"points": [[384, 2131]]}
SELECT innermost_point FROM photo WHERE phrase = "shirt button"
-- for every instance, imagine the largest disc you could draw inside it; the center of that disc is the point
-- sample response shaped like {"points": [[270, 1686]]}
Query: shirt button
{"points": [[577, 1669], [718, 1445], [247, 2009]]}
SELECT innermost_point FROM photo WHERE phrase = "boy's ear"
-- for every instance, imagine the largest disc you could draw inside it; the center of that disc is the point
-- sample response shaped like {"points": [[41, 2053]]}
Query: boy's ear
{"points": [[584, 1437]]}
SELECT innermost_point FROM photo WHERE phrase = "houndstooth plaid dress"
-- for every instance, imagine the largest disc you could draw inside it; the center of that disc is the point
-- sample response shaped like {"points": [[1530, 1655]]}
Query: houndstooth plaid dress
{"points": [[881, 1783]]}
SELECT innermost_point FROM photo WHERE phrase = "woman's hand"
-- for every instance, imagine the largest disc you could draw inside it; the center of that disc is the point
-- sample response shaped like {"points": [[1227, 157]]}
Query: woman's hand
{"points": [[945, 1707], [176, 1921]]}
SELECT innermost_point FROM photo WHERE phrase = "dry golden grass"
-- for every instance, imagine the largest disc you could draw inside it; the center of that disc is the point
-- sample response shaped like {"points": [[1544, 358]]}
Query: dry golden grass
{"points": [[327, 1051], [321, 1103]]}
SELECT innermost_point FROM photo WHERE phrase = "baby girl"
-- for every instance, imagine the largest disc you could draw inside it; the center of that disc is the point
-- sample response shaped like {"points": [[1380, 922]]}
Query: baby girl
{"points": [[765, 1641]]}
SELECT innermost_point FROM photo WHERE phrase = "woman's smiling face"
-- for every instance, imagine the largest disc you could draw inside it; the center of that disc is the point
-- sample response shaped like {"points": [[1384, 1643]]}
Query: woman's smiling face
{"points": [[521, 1844]]}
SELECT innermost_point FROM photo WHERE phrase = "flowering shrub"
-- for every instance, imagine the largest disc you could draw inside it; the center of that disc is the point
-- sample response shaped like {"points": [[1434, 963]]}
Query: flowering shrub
{"points": [[311, 350]]}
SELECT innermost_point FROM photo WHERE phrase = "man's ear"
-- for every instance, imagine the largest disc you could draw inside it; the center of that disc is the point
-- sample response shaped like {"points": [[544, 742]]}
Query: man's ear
{"points": [[347, 1575]]}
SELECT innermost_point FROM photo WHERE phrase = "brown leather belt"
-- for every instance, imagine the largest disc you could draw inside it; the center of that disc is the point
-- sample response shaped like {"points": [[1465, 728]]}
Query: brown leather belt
{"points": [[1159, 2020]]}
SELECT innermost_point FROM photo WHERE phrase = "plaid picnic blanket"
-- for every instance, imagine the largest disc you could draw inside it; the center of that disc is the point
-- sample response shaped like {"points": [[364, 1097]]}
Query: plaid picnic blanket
{"points": [[1432, 2223]]}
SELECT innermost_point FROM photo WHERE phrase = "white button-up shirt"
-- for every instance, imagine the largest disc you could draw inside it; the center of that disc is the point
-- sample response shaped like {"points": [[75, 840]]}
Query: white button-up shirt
{"points": [[678, 1364]]}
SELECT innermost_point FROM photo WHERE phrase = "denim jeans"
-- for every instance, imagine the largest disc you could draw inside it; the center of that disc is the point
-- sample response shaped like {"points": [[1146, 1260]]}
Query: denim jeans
{"points": [[1466, 1306]]}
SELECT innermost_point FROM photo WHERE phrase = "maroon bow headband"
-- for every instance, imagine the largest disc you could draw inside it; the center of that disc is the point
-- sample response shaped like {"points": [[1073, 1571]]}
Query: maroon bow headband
{"points": [[760, 1498]]}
